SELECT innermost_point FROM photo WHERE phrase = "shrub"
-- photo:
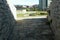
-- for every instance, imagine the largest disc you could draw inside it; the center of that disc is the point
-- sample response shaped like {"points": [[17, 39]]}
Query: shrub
{"points": [[43, 13], [33, 14]]}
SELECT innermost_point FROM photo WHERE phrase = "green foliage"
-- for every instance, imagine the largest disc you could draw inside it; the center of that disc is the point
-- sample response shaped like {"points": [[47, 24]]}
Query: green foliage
{"points": [[34, 14], [27, 9], [43, 13], [38, 13], [34, 9]]}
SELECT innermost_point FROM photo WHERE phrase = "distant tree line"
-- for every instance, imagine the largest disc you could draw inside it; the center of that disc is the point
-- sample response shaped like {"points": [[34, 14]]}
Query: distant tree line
{"points": [[28, 8]]}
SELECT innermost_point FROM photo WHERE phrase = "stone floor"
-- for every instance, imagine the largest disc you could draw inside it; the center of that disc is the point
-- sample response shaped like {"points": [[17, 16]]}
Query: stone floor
{"points": [[32, 29]]}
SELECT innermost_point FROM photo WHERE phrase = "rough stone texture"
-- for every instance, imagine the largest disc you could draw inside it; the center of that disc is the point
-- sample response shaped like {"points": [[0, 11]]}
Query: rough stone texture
{"points": [[33, 29], [7, 21], [54, 18]]}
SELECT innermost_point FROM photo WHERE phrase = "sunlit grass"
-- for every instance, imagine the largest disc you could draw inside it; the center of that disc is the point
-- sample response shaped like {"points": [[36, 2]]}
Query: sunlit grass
{"points": [[20, 15], [38, 13]]}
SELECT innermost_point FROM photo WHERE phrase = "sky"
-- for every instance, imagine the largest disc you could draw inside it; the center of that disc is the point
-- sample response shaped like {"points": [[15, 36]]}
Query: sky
{"points": [[25, 2]]}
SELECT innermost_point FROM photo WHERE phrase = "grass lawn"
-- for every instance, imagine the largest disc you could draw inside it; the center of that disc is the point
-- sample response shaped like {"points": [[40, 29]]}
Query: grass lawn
{"points": [[38, 13]]}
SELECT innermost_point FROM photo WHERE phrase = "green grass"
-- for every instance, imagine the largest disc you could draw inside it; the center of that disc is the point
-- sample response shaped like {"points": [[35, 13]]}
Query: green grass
{"points": [[20, 15], [38, 13]]}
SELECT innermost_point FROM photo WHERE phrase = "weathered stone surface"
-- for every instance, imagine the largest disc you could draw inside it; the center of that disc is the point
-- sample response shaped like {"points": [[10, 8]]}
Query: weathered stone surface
{"points": [[7, 21], [54, 15], [33, 29]]}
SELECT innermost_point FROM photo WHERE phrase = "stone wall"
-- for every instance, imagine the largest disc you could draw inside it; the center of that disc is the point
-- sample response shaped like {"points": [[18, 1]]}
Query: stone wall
{"points": [[7, 21], [12, 8], [54, 18]]}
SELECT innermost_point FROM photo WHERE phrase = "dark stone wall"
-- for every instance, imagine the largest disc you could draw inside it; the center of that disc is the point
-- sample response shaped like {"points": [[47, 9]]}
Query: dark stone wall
{"points": [[7, 21], [54, 15]]}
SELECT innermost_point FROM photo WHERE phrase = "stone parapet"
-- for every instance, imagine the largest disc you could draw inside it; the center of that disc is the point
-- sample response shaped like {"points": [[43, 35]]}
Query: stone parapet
{"points": [[7, 21], [54, 16]]}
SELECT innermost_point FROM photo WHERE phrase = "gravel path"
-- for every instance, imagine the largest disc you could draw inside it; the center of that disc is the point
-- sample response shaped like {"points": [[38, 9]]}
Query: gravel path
{"points": [[32, 29]]}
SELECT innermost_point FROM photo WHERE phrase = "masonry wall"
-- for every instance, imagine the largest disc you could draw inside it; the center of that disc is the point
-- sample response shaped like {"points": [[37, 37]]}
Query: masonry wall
{"points": [[54, 18], [12, 8], [7, 21]]}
